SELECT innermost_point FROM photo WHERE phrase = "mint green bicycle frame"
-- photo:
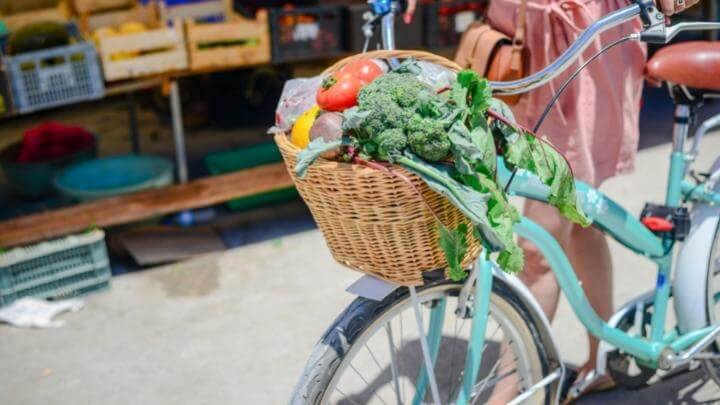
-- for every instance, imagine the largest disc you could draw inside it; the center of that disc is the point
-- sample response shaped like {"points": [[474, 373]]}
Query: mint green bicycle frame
{"points": [[613, 220]]}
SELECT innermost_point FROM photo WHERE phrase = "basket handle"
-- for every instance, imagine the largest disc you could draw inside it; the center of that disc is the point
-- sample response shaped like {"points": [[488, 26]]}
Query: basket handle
{"points": [[400, 54]]}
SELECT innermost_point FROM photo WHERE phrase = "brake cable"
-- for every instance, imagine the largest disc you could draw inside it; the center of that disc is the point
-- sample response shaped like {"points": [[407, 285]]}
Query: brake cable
{"points": [[564, 86]]}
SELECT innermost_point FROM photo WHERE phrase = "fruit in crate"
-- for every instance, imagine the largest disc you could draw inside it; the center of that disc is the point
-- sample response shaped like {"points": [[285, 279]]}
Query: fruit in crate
{"points": [[131, 27], [38, 36], [102, 33]]}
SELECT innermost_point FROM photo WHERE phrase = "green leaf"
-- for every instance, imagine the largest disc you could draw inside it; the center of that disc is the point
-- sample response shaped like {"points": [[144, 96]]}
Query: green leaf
{"points": [[479, 92], [459, 95], [529, 153], [473, 151], [454, 244], [309, 155], [503, 109], [469, 201], [353, 119], [409, 65]]}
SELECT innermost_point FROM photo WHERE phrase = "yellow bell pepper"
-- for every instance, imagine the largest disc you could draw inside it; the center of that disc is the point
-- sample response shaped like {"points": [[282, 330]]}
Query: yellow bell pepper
{"points": [[300, 135]]}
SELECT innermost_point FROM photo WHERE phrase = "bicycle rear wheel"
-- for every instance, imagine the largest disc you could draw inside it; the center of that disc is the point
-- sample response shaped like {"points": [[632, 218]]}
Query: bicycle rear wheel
{"points": [[372, 352], [712, 367]]}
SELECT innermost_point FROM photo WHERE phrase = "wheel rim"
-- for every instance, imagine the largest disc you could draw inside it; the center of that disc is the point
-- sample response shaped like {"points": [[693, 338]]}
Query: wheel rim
{"points": [[374, 370]]}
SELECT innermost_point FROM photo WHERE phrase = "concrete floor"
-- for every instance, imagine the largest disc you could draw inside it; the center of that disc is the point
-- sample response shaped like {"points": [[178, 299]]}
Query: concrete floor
{"points": [[237, 326]]}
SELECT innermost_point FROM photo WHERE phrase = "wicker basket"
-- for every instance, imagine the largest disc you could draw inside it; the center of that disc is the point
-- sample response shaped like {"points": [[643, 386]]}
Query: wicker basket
{"points": [[373, 221]]}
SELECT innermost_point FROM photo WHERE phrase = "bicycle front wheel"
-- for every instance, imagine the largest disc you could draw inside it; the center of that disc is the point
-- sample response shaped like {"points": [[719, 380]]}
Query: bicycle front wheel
{"points": [[372, 352]]}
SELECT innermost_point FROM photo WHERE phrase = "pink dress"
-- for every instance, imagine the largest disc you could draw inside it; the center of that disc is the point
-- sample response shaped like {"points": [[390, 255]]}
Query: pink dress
{"points": [[595, 123]]}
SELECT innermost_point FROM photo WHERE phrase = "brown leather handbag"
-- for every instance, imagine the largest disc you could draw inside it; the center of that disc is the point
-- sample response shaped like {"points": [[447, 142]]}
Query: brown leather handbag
{"points": [[493, 54]]}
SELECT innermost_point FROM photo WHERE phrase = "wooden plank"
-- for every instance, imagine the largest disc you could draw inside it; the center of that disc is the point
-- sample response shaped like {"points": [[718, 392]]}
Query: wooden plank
{"points": [[92, 6], [143, 205], [197, 10], [16, 21], [115, 18]]}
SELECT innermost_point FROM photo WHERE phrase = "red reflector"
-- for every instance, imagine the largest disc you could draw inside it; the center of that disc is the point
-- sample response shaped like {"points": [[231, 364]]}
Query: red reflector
{"points": [[657, 224]]}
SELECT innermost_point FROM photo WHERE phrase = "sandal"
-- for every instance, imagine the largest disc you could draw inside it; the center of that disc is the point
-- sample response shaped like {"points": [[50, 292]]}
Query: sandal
{"points": [[585, 383]]}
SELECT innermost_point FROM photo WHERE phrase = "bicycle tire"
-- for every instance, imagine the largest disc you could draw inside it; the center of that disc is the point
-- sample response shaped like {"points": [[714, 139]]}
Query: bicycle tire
{"points": [[338, 340]]}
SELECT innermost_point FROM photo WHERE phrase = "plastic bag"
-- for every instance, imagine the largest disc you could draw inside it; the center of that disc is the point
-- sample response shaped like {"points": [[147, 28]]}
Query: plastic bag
{"points": [[436, 75], [297, 96]]}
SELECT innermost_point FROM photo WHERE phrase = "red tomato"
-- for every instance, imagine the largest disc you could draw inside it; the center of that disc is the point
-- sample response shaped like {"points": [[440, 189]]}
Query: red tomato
{"points": [[339, 92], [364, 69]]}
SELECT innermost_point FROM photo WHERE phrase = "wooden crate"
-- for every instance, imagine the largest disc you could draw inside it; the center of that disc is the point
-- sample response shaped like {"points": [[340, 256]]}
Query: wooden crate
{"points": [[160, 50], [14, 17], [232, 43], [157, 50]]}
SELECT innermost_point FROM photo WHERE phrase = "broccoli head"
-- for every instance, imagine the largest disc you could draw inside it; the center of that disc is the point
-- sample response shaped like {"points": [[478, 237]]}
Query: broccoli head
{"points": [[390, 143], [428, 138], [403, 89], [384, 114], [400, 111]]}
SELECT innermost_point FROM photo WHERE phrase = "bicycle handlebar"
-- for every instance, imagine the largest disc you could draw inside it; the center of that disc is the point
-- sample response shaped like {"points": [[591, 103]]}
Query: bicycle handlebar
{"points": [[655, 31], [570, 55]]}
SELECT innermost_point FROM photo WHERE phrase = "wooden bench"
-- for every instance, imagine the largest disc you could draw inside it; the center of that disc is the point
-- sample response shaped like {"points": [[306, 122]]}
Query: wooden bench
{"points": [[143, 205]]}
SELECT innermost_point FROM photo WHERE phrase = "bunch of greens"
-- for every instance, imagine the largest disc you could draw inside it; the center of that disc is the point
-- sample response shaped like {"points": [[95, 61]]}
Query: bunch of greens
{"points": [[447, 139]]}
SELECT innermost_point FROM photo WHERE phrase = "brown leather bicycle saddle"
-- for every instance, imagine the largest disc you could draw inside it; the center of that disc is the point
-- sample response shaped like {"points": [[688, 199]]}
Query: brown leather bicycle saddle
{"points": [[692, 64]]}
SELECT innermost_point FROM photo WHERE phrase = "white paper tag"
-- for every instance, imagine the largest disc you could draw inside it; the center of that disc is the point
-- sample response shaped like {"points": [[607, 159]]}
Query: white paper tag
{"points": [[306, 32], [372, 288], [463, 20]]}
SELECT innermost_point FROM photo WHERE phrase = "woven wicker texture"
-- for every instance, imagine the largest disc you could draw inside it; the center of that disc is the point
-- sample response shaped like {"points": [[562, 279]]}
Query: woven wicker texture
{"points": [[375, 222]]}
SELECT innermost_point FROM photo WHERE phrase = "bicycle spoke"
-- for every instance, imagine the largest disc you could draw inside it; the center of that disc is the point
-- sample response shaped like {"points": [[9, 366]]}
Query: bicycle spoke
{"points": [[452, 365], [372, 355], [393, 364], [345, 396], [429, 366], [493, 370], [482, 352], [452, 355], [491, 383], [375, 394]]}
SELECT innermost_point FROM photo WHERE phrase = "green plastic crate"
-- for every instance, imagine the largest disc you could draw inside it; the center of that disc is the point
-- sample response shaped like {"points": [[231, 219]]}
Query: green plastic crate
{"points": [[245, 158], [55, 269]]}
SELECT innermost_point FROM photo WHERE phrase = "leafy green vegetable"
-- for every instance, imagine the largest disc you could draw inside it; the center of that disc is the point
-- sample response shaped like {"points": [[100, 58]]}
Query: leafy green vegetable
{"points": [[479, 93], [447, 141], [527, 152], [454, 244], [307, 156], [469, 201]]}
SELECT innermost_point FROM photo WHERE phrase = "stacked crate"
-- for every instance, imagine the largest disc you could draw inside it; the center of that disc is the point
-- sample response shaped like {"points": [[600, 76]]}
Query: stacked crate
{"points": [[158, 49], [217, 37]]}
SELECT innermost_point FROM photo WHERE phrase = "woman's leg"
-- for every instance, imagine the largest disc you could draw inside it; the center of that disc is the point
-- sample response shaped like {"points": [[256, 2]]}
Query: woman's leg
{"points": [[537, 274]]}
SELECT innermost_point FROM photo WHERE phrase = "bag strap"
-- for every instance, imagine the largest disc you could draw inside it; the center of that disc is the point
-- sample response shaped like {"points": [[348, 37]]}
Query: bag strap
{"points": [[519, 39]]}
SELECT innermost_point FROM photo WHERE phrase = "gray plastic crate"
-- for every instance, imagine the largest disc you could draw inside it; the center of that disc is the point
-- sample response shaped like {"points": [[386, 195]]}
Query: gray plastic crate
{"points": [[54, 77], [60, 268]]}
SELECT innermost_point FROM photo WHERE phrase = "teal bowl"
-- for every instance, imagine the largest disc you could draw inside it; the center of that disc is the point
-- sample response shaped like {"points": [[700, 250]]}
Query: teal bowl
{"points": [[114, 175], [35, 179]]}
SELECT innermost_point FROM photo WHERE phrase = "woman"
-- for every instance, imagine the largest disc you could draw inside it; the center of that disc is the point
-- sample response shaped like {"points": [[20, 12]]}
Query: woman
{"points": [[594, 124]]}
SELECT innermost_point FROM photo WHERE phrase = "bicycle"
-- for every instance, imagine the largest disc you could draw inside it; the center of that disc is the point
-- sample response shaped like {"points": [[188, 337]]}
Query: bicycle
{"points": [[441, 360]]}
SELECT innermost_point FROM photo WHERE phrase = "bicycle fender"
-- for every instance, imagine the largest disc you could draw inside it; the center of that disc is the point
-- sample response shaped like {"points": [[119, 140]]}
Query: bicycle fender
{"points": [[690, 282]]}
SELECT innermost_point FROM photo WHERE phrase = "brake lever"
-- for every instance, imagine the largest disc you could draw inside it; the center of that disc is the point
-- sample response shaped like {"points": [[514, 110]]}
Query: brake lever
{"points": [[662, 34], [657, 32]]}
